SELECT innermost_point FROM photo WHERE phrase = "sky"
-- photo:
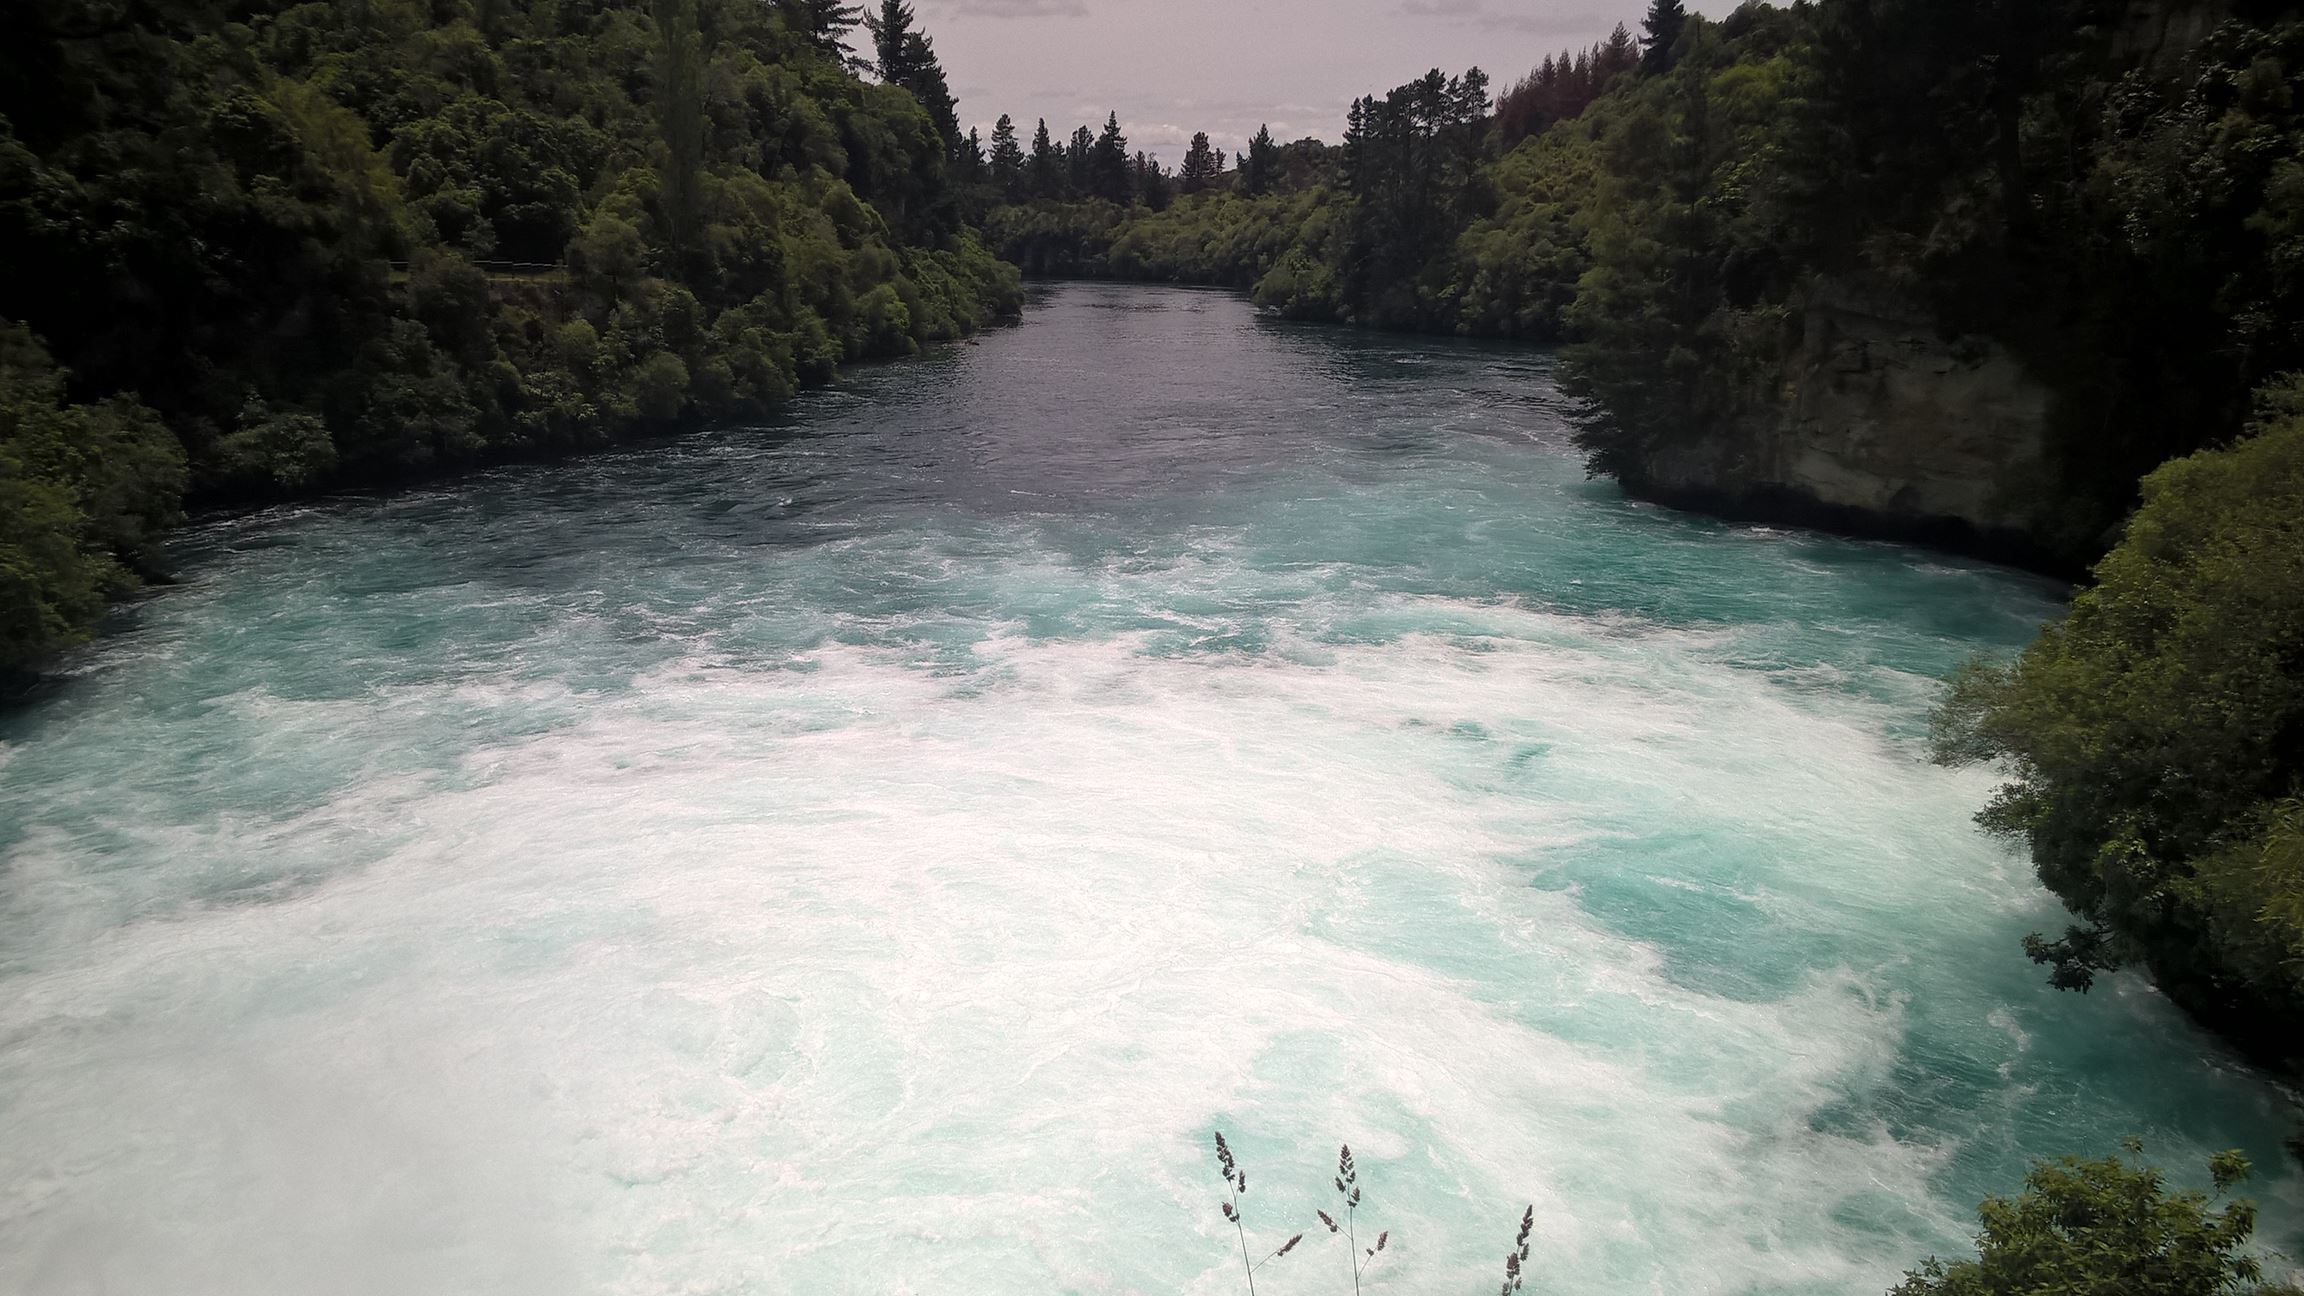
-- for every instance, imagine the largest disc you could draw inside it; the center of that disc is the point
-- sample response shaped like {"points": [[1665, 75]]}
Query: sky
{"points": [[1171, 67]]}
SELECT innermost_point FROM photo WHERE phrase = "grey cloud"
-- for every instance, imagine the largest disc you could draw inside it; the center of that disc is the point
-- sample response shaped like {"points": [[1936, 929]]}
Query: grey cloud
{"points": [[1172, 67], [933, 9], [1580, 26]]}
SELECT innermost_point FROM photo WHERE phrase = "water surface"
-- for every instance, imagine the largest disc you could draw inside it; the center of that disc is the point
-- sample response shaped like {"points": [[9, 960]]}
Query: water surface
{"points": [[872, 852]]}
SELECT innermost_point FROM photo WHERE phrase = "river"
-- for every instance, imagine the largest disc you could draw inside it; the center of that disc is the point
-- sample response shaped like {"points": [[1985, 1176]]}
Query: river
{"points": [[872, 852]]}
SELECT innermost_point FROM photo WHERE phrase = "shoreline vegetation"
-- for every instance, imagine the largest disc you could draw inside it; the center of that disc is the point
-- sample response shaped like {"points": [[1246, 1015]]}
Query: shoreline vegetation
{"points": [[261, 249]]}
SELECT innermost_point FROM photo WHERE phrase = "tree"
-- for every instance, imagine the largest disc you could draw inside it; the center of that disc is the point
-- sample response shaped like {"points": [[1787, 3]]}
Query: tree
{"points": [[972, 165], [1200, 165], [1618, 55], [2153, 735], [1660, 32], [204, 201], [1080, 163], [2103, 1228], [1047, 166], [1258, 176], [1110, 176], [907, 58], [1006, 163], [1151, 183], [1412, 162], [827, 24], [86, 493], [680, 65]]}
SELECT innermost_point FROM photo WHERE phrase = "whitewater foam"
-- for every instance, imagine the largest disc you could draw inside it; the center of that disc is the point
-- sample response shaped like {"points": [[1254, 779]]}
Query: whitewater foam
{"points": [[901, 912]]}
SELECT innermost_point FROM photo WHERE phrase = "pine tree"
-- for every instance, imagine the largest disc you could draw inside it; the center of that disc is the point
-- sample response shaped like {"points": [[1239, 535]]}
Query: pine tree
{"points": [[1047, 168], [1263, 161], [1661, 31], [1151, 183], [826, 24], [1006, 163], [907, 58], [892, 29], [1108, 165], [971, 159], [1621, 54], [1079, 163], [1200, 165]]}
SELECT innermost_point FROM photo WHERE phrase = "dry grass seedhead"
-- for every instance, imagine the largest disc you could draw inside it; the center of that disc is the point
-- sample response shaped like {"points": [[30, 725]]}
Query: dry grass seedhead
{"points": [[1516, 1260], [1236, 1187], [1348, 1192]]}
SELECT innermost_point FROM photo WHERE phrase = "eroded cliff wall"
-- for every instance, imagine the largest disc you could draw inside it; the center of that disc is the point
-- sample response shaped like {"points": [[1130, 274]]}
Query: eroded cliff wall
{"points": [[1880, 426]]}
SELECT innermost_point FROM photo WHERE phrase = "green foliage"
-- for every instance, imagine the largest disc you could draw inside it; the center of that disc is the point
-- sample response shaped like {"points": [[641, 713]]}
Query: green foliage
{"points": [[1680, 315], [345, 240], [2154, 741], [1563, 86], [1518, 268], [86, 492], [1216, 238], [2103, 1228], [1412, 163]]}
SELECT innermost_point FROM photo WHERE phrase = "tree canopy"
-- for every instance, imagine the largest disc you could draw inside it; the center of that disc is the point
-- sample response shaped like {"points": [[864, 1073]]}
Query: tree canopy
{"points": [[2103, 1227], [259, 248], [2156, 738]]}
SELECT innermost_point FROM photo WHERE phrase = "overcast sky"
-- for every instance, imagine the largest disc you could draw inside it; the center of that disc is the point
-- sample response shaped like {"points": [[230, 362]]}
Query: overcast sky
{"points": [[1170, 67]]}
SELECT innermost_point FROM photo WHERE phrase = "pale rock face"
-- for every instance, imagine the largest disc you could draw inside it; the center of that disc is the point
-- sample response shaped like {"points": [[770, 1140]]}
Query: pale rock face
{"points": [[1880, 425], [2155, 33], [1884, 416]]}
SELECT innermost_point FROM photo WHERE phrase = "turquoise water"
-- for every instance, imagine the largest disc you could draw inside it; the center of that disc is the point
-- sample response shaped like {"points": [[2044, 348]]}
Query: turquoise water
{"points": [[871, 853]]}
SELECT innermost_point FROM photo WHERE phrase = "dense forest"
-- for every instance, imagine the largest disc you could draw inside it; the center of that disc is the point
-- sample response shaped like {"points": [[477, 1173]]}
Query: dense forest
{"points": [[259, 247]]}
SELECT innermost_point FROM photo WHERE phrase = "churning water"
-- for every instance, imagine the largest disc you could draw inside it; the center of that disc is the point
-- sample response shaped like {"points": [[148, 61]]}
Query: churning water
{"points": [[871, 853]]}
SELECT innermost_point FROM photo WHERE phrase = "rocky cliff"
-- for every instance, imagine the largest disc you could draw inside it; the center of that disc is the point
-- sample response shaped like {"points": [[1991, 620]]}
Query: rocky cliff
{"points": [[1880, 426], [1876, 422]]}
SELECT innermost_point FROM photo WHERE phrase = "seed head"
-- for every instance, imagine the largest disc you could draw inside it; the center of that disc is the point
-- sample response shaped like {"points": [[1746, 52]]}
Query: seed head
{"points": [[1327, 1221]]}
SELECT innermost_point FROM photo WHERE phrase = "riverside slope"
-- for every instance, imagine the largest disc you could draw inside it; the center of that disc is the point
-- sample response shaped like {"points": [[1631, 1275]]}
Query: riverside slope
{"points": [[871, 852]]}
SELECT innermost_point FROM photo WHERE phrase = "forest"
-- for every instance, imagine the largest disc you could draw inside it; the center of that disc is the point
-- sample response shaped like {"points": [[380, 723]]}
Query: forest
{"points": [[263, 248]]}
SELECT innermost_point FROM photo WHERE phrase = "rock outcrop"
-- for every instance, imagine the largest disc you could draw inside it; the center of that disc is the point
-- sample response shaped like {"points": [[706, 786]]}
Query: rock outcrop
{"points": [[1879, 426]]}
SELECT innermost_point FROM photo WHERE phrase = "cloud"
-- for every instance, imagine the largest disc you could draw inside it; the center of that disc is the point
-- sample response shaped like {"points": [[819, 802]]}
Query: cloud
{"points": [[1006, 8], [1476, 13]]}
